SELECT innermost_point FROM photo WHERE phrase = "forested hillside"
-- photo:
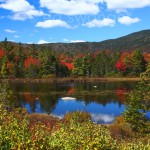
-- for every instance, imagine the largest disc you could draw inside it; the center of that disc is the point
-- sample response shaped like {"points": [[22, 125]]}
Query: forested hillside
{"points": [[139, 40]]}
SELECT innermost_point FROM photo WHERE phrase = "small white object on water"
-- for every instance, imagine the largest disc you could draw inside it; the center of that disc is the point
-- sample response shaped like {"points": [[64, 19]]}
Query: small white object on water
{"points": [[95, 86], [68, 98]]}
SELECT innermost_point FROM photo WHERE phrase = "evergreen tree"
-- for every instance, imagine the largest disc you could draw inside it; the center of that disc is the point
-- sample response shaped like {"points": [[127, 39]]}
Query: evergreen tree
{"points": [[3, 71], [135, 63], [82, 66], [137, 106], [146, 75], [101, 65], [19, 62], [114, 59], [138, 62], [48, 63]]}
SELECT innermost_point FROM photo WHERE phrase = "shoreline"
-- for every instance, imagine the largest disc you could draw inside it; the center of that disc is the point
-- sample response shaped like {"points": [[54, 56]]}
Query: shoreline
{"points": [[86, 79]]}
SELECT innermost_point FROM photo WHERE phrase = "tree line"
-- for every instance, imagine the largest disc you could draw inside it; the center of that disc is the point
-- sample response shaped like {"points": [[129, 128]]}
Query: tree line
{"points": [[19, 62]]}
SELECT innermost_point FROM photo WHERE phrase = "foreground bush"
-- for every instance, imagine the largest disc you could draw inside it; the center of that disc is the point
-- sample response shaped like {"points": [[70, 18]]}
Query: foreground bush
{"points": [[85, 136], [135, 146], [16, 133], [77, 116], [121, 130]]}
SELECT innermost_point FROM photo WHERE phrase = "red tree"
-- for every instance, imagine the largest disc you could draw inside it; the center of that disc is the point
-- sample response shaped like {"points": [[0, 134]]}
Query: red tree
{"points": [[122, 65], [2, 53], [66, 61], [31, 61]]}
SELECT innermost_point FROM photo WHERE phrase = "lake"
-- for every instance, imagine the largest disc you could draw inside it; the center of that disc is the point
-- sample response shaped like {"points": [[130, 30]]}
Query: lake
{"points": [[103, 100]]}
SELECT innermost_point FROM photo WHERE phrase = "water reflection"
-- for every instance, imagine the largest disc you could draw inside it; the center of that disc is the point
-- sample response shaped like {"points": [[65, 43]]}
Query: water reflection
{"points": [[104, 101], [103, 118]]}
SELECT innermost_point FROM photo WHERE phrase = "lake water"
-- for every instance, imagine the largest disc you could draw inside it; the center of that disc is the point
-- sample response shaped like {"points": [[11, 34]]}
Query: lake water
{"points": [[103, 100]]}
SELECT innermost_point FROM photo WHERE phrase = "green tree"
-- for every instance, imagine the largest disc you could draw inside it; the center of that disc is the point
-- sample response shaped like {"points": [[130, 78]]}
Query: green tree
{"points": [[19, 62], [82, 66], [146, 74], [61, 70], [136, 64], [3, 71], [77, 70], [137, 106], [8, 47], [101, 65], [48, 63], [7, 97], [114, 59]]}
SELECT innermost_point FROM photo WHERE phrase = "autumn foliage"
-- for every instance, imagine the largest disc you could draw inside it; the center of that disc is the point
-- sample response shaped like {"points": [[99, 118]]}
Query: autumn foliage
{"points": [[122, 65], [45, 63], [31, 61], [2, 53], [66, 61]]}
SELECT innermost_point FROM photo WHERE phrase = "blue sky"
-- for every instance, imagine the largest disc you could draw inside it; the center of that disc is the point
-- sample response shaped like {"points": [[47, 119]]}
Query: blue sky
{"points": [[42, 21]]}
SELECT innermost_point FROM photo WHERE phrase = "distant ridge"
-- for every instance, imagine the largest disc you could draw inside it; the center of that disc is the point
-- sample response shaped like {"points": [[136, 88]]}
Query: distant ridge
{"points": [[138, 40]]}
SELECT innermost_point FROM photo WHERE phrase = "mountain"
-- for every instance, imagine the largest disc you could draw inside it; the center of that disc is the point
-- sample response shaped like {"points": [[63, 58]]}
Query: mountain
{"points": [[140, 40]]}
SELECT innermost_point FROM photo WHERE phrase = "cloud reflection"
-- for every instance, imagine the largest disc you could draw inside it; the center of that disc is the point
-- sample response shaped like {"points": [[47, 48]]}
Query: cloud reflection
{"points": [[102, 118], [98, 118], [61, 116]]}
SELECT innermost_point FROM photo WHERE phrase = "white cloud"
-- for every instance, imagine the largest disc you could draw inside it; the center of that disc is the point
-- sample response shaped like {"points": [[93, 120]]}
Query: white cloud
{"points": [[100, 23], [53, 23], [77, 41], [9, 31], [122, 5], [72, 41], [71, 7], [84, 7], [128, 20], [25, 15], [30, 42], [21, 9], [42, 42]]}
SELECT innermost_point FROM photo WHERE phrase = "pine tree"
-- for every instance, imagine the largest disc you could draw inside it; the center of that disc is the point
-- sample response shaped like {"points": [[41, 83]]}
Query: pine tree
{"points": [[3, 71], [138, 62], [137, 107], [48, 63]]}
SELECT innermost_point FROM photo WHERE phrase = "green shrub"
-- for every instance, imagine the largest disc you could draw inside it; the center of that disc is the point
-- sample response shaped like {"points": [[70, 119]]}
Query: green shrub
{"points": [[77, 116], [135, 146], [120, 129], [85, 136]]}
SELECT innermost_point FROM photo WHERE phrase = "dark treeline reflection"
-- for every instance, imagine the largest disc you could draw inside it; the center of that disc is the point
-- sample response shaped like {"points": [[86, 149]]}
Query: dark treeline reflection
{"points": [[43, 97], [38, 103]]}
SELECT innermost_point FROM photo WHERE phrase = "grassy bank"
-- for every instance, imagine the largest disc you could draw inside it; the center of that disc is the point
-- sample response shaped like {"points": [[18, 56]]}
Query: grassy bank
{"points": [[91, 79]]}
